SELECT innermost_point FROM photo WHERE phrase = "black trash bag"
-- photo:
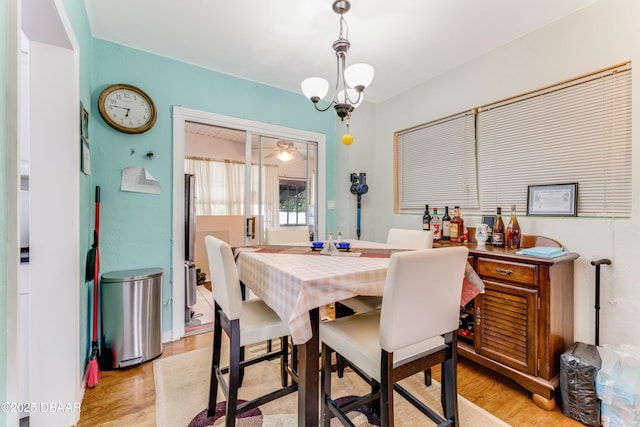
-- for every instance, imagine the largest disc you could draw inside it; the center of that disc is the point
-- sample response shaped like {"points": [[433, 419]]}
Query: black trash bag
{"points": [[578, 368]]}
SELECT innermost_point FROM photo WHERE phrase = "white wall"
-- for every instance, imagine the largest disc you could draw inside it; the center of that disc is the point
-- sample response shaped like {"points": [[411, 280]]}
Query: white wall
{"points": [[54, 238], [358, 157], [604, 34]]}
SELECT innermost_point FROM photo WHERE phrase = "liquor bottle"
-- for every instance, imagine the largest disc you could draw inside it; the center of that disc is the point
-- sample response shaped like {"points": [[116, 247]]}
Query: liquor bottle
{"points": [[426, 219], [498, 230], [435, 225], [456, 227], [512, 234], [446, 224]]}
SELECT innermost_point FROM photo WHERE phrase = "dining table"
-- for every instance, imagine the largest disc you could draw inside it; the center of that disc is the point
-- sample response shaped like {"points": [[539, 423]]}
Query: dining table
{"points": [[295, 280]]}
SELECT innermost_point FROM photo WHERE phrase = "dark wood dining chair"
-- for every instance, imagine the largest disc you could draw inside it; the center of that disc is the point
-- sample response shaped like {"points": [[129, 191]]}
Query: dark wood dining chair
{"points": [[415, 329], [245, 323]]}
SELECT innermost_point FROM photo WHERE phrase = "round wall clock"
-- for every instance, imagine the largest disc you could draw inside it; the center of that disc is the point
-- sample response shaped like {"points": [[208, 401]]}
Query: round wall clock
{"points": [[127, 108]]}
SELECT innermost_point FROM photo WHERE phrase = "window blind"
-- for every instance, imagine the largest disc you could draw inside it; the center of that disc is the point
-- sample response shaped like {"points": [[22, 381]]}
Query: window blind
{"points": [[579, 131], [436, 164]]}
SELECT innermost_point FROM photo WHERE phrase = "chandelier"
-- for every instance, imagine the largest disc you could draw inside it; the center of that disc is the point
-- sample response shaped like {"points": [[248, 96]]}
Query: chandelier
{"points": [[350, 82]]}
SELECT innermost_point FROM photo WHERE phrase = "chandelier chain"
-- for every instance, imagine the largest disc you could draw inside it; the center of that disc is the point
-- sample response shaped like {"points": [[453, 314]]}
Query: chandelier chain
{"points": [[344, 35]]}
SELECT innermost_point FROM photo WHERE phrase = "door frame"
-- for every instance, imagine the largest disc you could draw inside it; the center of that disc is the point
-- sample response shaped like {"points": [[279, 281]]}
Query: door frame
{"points": [[54, 181], [182, 115]]}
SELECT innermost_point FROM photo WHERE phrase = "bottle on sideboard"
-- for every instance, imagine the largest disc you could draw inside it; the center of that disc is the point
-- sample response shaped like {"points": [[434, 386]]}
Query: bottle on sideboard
{"points": [[426, 219], [456, 227], [512, 234], [446, 224], [497, 238], [435, 225]]}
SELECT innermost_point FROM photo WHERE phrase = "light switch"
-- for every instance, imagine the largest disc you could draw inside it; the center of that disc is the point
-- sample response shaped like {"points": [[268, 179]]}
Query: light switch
{"points": [[331, 204]]}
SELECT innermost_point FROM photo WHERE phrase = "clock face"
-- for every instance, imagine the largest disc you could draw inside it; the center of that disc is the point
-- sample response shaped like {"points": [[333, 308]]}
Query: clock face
{"points": [[127, 109]]}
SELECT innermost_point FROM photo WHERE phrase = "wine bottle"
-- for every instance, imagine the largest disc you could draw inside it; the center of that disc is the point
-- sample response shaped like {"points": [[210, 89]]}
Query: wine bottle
{"points": [[498, 230], [426, 219], [446, 224], [435, 225], [512, 234], [456, 227]]}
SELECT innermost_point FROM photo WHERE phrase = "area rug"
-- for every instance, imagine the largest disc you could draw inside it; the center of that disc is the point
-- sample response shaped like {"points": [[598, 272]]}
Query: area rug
{"points": [[182, 390]]}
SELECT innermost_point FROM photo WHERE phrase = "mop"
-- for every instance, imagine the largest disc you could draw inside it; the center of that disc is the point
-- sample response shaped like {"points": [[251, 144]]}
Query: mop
{"points": [[93, 373]]}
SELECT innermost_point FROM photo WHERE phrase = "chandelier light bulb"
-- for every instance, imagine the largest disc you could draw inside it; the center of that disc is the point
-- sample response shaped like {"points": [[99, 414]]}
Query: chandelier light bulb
{"points": [[315, 87], [353, 95], [359, 76]]}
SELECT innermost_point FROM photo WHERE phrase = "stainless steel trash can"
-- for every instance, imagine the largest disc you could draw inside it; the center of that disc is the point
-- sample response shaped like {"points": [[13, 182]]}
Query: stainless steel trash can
{"points": [[131, 316]]}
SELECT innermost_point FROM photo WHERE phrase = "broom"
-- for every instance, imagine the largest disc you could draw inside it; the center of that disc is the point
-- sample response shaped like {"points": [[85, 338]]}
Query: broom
{"points": [[93, 374]]}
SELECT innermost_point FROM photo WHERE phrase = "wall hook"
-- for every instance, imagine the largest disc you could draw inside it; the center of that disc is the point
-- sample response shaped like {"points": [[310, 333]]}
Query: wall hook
{"points": [[150, 155]]}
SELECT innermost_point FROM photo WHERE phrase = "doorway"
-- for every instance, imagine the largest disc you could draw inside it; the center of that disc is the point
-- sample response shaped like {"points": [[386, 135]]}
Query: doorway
{"points": [[282, 160], [237, 203]]}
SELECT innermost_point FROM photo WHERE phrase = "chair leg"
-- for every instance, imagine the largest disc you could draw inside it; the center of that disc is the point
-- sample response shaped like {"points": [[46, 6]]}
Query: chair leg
{"points": [[375, 405], [449, 392], [294, 356], [340, 365], [284, 361], [386, 391], [234, 373], [341, 310], [215, 362], [427, 377], [325, 386], [241, 369]]}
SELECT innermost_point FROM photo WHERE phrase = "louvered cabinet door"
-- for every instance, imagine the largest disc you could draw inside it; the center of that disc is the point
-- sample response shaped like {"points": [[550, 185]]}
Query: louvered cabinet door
{"points": [[505, 325]]}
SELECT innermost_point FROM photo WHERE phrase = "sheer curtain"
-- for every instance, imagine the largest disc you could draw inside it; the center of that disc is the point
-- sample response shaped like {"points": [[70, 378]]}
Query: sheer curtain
{"points": [[270, 195], [220, 188]]}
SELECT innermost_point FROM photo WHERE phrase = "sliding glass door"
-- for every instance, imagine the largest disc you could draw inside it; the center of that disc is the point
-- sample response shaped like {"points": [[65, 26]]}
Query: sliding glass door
{"points": [[247, 182], [283, 184], [248, 176]]}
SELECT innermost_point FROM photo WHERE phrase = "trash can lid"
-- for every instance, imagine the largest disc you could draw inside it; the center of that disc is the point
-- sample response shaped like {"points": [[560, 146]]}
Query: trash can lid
{"points": [[129, 275]]}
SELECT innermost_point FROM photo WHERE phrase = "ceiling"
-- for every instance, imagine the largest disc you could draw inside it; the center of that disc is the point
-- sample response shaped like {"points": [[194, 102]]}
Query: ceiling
{"points": [[280, 43]]}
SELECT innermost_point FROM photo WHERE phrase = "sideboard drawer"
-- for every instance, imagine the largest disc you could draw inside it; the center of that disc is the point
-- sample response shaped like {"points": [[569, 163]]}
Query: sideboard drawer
{"points": [[526, 274]]}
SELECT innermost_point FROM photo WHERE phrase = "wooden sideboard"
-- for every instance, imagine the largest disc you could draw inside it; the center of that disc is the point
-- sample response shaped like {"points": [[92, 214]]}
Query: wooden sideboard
{"points": [[524, 320]]}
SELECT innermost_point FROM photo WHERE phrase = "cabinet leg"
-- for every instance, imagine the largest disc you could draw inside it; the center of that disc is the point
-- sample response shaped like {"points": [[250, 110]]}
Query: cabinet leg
{"points": [[543, 402]]}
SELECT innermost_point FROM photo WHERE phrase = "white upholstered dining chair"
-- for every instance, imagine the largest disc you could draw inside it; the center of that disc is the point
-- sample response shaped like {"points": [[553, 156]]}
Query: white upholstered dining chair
{"points": [[397, 238], [245, 323], [401, 238], [282, 235], [415, 329]]}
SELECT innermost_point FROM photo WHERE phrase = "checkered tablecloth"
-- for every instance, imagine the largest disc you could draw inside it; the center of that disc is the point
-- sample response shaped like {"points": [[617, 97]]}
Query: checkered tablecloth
{"points": [[293, 284]]}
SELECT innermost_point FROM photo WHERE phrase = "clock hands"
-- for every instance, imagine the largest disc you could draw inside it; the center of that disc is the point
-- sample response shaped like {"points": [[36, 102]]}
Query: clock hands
{"points": [[124, 108]]}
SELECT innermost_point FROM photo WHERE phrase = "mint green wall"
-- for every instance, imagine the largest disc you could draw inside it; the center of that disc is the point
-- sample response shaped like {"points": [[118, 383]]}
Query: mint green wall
{"points": [[135, 228], [3, 209]]}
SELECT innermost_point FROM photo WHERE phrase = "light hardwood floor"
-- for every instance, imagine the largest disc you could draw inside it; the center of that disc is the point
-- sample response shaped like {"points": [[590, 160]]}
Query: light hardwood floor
{"points": [[127, 396]]}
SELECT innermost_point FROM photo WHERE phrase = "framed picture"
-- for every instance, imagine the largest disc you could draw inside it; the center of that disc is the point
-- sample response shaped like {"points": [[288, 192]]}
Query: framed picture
{"points": [[489, 220], [552, 200], [85, 154]]}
